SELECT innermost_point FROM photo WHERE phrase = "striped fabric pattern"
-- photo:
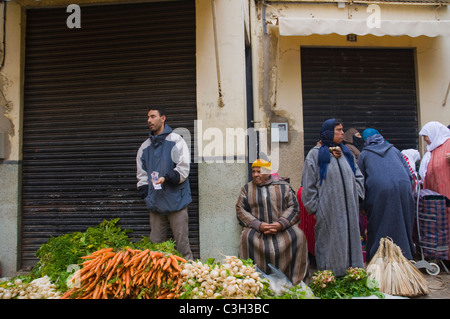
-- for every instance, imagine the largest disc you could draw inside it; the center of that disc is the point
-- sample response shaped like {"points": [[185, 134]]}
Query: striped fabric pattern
{"points": [[286, 250]]}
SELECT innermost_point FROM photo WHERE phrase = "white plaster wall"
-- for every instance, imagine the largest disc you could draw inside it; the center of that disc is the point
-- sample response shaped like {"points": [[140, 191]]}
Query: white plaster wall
{"points": [[222, 170]]}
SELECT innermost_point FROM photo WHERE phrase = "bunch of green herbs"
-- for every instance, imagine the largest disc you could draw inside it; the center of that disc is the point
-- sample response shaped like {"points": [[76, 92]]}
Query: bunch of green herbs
{"points": [[58, 253], [355, 283]]}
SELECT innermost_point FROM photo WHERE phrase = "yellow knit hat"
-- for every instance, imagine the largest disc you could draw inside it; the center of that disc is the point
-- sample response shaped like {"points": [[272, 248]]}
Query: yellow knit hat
{"points": [[262, 163]]}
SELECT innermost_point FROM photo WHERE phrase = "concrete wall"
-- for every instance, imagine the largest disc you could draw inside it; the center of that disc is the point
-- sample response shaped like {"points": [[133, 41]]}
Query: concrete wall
{"points": [[222, 168], [11, 85]]}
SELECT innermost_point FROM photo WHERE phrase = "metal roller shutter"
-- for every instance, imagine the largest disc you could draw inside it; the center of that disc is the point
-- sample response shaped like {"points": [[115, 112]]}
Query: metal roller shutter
{"points": [[86, 97], [363, 87]]}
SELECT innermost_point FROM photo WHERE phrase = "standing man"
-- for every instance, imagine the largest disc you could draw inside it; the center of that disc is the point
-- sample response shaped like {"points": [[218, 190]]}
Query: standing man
{"points": [[163, 164], [332, 185]]}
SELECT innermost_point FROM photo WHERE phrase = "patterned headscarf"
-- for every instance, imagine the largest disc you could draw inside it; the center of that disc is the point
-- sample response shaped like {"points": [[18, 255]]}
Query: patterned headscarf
{"points": [[327, 136]]}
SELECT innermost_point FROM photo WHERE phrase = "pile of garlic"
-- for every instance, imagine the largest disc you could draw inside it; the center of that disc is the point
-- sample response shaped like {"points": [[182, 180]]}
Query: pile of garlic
{"points": [[40, 288], [231, 279]]}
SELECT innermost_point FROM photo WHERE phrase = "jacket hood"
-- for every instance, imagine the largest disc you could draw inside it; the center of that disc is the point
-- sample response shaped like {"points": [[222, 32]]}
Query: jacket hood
{"points": [[167, 130], [379, 149], [157, 139], [348, 135]]}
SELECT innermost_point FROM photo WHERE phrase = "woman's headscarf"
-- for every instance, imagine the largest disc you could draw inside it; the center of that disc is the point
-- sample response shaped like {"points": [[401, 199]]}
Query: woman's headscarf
{"points": [[327, 136], [372, 136], [350, 138], [413, 156], [438, 133]]}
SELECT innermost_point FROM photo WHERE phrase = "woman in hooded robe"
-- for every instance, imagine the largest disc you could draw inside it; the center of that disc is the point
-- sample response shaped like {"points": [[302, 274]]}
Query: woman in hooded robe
{"points": [[389, 201]]}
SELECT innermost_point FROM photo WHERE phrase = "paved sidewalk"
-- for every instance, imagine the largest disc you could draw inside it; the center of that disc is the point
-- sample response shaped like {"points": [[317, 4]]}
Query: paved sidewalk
{"points": [[439, 286]]}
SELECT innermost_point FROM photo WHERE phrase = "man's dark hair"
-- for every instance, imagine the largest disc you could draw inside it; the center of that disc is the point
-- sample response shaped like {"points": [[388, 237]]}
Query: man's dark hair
{"points": [[161, 110]]}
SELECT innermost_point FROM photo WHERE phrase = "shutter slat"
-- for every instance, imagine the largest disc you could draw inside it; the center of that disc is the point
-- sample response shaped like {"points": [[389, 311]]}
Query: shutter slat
{"points": [[363, 87]]}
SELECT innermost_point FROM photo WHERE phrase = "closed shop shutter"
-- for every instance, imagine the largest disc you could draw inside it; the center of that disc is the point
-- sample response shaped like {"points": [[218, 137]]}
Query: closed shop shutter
{"points": [[86, 96], [365, 88]]}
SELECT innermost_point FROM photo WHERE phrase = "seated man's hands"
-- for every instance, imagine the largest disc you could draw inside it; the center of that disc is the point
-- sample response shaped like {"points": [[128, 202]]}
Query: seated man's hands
{"points": [[270, 229]]}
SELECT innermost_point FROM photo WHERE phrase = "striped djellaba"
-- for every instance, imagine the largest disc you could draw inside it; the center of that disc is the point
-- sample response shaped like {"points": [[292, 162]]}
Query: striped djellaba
{"points": [[287, 249]]}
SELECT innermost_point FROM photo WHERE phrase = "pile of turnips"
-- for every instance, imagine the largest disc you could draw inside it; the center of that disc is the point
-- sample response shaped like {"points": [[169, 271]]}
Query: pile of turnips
{"points": [[40, 288], [234, 278]]}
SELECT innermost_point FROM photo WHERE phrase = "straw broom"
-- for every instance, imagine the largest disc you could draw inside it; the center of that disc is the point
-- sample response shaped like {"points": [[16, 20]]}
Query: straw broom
{"points": [[419, 285], [376, 266], [399, 276]]}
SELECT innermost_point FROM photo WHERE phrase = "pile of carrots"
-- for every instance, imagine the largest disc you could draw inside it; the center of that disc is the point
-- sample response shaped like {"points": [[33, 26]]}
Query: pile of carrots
{"points": [[127, 274]]}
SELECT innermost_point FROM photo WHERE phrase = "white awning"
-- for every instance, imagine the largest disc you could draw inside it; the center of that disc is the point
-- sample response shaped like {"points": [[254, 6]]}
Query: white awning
{"points": [[412, 28]]}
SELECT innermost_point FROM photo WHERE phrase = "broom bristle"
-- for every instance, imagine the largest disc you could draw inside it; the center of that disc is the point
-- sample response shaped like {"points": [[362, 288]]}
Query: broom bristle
{"points": [[376, 266], [400, 277]]}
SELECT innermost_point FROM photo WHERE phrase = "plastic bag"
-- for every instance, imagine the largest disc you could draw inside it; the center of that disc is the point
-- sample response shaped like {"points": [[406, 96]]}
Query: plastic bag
{"points": [[278, 282]]}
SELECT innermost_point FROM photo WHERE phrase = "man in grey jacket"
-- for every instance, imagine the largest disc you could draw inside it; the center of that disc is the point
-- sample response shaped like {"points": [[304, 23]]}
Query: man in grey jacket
{"points": [[163, 165]]}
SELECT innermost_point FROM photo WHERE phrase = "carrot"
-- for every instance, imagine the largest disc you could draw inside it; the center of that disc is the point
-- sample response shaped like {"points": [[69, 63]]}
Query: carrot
{"points": [[162, 262], [132, 251], [101, 251], [180, 258], [87, 275], [96, 292], [170, 295], [91, 264], [90, 285], [175, 263], [118, 260], [127, 281], [158, 278], [167, 263], [126, 257], [156, 254], [108, 266], [161, 297], [105, 286], [144, 262], [118, 289], [111, 273], [87, 257], [145, 258], [180, 282], [68, 293], [137, 258]]}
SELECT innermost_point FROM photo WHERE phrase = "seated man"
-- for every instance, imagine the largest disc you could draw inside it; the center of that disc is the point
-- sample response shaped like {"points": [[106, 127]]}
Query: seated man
{"points": [[268, 210]]}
